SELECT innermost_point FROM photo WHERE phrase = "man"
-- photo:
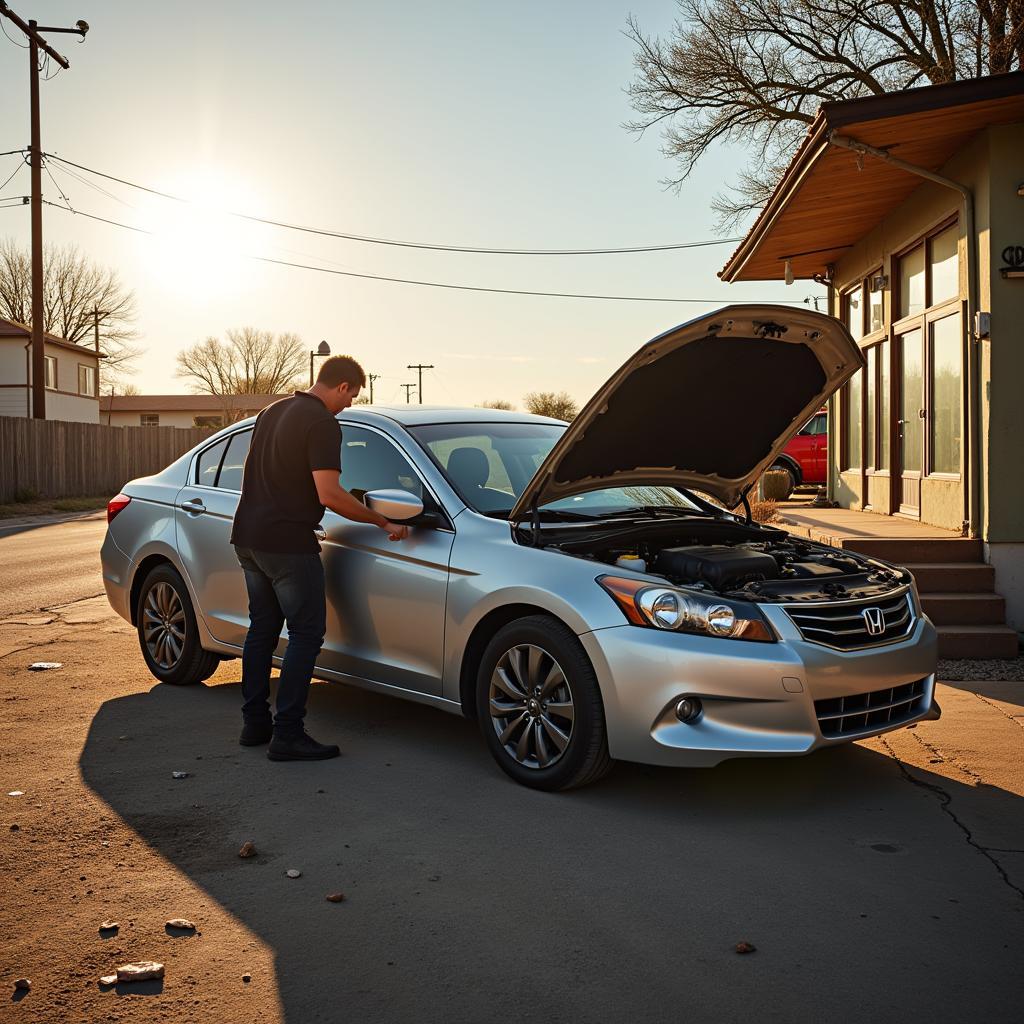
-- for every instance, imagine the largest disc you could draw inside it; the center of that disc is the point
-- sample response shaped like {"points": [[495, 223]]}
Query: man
{"points": [[291, 474]]}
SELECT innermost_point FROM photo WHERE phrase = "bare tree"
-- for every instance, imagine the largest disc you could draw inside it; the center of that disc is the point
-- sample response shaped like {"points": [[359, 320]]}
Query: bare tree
{"points": [[250, 362], [76, 293], [756, 71], [559, 405], [497, 403]]}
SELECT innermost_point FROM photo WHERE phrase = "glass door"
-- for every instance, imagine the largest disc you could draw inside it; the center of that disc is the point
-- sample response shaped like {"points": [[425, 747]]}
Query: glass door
{"points": [[910, 425]]}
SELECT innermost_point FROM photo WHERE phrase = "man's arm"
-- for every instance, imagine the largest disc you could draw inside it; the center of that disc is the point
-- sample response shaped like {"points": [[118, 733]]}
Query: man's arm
{"points": [[337, 499]]}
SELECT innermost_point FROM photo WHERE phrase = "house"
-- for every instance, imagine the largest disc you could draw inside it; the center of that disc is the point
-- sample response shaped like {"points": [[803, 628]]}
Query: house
{"points": [[180, 410], [910, 208], [72, 376]]}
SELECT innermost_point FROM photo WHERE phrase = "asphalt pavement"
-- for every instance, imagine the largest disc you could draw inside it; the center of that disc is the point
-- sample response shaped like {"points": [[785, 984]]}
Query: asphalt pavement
{"points": [[880, 881], [46, 561]]}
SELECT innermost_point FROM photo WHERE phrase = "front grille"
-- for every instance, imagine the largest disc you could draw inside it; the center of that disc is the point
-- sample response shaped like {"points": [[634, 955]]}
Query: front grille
{"points": [[845, 626], [870, 712]]}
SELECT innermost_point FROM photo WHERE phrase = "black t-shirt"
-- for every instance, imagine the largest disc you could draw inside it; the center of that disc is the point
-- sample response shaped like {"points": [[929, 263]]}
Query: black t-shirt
{"points": [[279, 507]]}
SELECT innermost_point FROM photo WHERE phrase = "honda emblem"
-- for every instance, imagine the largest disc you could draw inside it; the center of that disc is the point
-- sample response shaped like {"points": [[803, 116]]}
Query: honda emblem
{"points": [[874, 621]]}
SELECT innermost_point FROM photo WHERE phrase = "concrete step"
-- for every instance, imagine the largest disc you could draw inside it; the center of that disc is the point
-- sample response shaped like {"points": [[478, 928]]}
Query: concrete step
{"points": [[953, 577], [977, 642], [918, 549], [946, 609]]}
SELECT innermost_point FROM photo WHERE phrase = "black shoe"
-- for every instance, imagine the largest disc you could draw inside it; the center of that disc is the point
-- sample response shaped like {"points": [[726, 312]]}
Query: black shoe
{"points": [[300, 748], [255, 734]]}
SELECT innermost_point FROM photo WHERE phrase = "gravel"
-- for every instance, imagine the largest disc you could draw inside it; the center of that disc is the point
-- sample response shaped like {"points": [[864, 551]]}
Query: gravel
{"points": [[957, 670]]}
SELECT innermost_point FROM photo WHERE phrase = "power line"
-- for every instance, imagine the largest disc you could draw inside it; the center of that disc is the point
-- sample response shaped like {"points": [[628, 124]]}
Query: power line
{"points": [[442, 284], [11, 178], [436, 247]]}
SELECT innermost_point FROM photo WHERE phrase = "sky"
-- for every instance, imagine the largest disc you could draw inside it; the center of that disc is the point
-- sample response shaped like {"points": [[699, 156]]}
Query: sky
{"points": [[456, 122]]}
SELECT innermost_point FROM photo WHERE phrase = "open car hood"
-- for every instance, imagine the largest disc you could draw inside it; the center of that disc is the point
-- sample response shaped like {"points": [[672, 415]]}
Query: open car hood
{"points": [[707, 405]]}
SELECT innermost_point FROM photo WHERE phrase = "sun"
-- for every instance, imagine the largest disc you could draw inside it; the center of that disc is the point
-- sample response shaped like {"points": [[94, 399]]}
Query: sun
{"points": [[201, 244]]}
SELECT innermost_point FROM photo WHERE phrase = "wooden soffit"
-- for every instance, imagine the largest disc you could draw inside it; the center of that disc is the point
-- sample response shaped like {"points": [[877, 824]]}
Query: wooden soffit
{"points": [[829, 198]]}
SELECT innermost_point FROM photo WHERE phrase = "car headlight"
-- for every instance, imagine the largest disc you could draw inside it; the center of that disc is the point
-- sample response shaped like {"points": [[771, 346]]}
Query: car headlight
{"points": [[686, 611]]}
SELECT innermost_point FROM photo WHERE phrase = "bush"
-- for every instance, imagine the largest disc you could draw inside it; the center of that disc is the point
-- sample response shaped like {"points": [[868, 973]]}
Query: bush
{"points": [[775, 485], [23, 495]]}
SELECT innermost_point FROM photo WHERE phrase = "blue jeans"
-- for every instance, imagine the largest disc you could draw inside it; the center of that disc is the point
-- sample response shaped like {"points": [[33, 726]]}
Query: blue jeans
{"points": [[283, 588]]}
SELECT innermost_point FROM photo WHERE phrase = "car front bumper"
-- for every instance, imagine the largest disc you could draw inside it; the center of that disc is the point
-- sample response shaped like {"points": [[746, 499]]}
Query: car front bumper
{"points": [[758, 699]]}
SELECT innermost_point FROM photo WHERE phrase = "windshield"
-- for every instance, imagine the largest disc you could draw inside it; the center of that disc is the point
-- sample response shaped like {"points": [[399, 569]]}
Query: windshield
{"points": [[490, 464]]}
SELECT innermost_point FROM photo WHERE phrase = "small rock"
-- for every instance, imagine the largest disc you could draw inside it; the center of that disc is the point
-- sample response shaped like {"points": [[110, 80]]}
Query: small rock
{"points": [[44, 666], [247, 978], [335, 897], [110, 926], [179, 775], [140, 970], [293, 873], [745, 947], [15, 828], [16, 792], [248, 849], [108, 979], [182, 923], [123, 738], [23, 985]]}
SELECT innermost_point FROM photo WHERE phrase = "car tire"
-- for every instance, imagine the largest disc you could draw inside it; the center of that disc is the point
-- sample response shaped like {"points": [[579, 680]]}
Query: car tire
{"points": [[168, 631], [780, 467], [552, 733]]}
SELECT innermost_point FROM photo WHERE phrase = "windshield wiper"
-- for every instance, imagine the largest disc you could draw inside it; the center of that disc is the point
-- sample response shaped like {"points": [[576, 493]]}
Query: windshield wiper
{"points": [[657, 511], [549, 514]]}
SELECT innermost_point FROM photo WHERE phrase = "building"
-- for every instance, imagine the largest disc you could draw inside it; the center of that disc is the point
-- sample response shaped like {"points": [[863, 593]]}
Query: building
{"points": [[910, 207], [180, 410], [72, 376]]}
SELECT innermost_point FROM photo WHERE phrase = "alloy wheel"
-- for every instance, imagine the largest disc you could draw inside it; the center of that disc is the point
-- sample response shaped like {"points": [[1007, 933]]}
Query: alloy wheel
{"points": [[163, 625], [531, 706]]}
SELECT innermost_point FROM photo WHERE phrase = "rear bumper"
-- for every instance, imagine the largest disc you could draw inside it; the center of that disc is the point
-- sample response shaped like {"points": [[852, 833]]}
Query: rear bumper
{"points": [[758, 699], [117, 577]]}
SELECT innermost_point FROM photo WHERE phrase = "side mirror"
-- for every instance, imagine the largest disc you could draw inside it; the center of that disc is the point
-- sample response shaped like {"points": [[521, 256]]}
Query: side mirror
{"points": [[398, 506]]}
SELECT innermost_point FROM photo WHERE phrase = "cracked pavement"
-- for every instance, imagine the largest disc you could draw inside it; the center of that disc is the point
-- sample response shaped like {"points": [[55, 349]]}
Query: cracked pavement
{"points": [[881, 880]]}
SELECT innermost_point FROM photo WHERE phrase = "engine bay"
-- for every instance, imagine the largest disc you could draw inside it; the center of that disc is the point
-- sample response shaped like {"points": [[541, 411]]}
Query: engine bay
{"points": [[739, 560]]}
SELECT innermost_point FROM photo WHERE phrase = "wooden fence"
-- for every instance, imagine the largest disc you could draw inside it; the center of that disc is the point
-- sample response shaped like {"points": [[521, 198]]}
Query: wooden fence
{"points": [[59, 459]]}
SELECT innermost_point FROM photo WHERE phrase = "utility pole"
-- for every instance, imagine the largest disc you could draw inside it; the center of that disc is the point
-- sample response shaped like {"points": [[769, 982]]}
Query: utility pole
{"points": [[420, 367], [36, 43], [371, 377], [96, 314], [408, 388]]}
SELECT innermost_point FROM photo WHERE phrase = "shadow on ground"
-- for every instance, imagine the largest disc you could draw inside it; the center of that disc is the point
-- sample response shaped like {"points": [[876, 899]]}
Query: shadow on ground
{"points": [[472, 899]]}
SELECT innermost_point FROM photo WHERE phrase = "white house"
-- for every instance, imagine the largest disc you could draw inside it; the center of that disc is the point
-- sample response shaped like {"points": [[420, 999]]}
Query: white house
{"points": [[180, 410], [72, 376]]}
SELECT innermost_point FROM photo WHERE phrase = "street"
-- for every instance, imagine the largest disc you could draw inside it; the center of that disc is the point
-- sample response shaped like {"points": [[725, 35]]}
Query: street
{"points": [[878, 881]]}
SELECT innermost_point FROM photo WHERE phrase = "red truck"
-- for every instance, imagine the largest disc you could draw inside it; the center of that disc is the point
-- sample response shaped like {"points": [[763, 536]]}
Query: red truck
{"points": [[805, 458]]}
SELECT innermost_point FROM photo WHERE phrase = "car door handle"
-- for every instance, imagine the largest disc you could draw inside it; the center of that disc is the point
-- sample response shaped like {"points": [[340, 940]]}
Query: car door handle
{"points": [[194, 506]]}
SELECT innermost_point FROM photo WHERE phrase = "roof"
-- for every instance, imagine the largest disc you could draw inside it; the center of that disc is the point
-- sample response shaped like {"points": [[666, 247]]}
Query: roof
{"points": [[12, 329], [825, 203], [186, 403], [421, 415]]}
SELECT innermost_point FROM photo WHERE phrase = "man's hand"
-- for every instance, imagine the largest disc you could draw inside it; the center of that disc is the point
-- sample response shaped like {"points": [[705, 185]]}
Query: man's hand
{"points": [[396, 531]]}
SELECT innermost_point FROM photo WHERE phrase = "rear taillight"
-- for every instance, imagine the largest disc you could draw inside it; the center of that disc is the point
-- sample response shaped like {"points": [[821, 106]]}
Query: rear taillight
{"points": [[118, 502]]}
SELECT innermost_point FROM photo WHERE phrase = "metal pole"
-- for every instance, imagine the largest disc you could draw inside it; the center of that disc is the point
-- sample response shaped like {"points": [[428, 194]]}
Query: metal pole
{"points": [[311, 368], [38, 350]]}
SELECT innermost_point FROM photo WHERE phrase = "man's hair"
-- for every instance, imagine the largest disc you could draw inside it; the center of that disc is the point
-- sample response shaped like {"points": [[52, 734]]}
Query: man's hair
{"points": [[341, 370]]}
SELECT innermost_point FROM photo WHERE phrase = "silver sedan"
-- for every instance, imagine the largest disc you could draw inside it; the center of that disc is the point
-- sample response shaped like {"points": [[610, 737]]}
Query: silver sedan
{"points": [[573, 588]]}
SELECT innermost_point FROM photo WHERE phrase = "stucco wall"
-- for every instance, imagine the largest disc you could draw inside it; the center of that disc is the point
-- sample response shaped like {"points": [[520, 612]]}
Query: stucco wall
{"points": [[63, 402]]}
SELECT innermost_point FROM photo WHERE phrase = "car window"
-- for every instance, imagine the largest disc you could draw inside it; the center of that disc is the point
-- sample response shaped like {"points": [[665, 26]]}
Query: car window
{"points": [[209, 462], [231, 468], [370, 462], [821, 423]]}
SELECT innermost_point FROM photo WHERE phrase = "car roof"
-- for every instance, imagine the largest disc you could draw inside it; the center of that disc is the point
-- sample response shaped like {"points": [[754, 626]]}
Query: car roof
{"points": [[421, 415]]}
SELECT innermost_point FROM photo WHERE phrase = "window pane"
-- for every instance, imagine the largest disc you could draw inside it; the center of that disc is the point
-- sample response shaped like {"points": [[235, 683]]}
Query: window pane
{"points": [[231, 471], [912, 282], [149, 419], [86, 380], [370, 462], [945, 411], [911, 395], [875, 316], [208, 464], [51, 372], [869, 423], [853, 420], [943, 265], [855, 313], [883, 405]]}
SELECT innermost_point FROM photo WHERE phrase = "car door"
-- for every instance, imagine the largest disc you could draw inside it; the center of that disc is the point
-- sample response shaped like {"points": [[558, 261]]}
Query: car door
{"points": [[820, 435], [385, 599], [204, 511]]}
